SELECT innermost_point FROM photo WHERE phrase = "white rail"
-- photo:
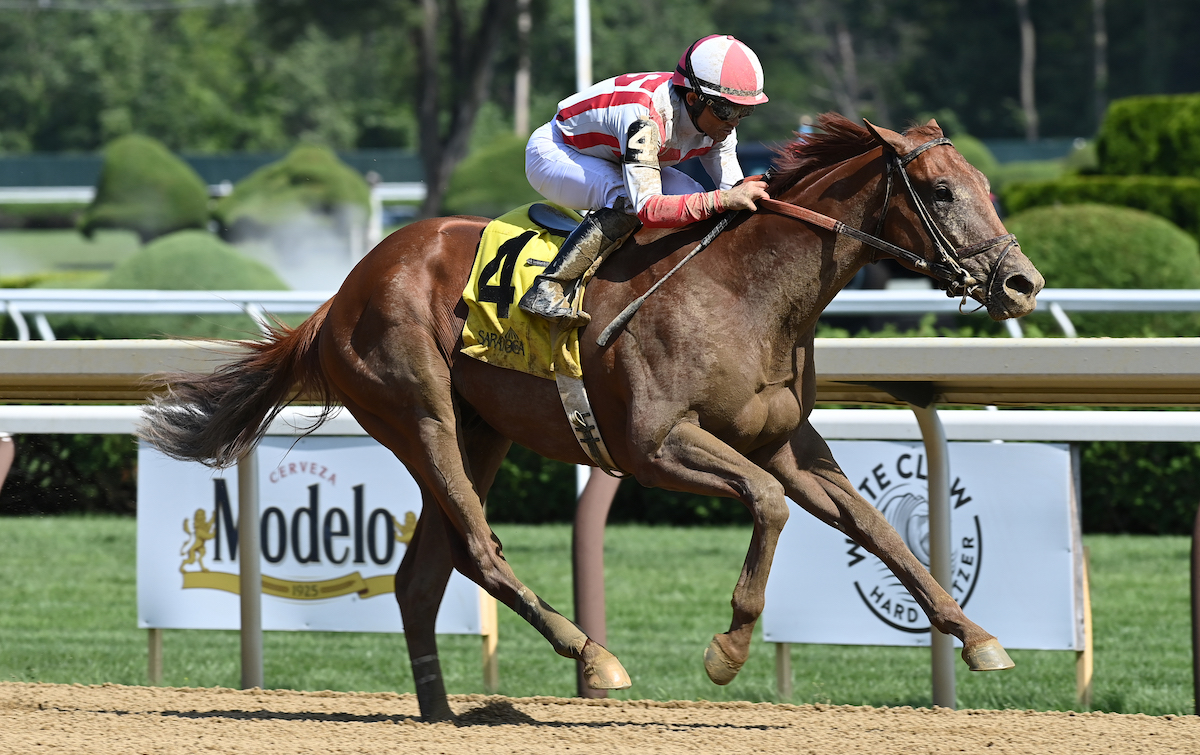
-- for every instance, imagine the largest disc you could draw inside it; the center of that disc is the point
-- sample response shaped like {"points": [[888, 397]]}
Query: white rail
{"points": [[833, 424], [19, 302], [387, 192], [412, 191]]}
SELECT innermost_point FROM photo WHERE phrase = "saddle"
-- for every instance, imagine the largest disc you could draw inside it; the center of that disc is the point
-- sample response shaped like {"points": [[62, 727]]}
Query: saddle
{"points": [[513, 250]]}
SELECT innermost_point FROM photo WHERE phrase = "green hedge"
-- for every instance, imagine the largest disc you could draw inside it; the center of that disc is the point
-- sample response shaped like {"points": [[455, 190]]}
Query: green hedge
{"points": [[533, 490], [1175, 199], [491, 181], [1140, 488], [145, 189], [309, 180], [62, 474], [976, 153], [188, 260], [1098, 246], [1155, 136]]}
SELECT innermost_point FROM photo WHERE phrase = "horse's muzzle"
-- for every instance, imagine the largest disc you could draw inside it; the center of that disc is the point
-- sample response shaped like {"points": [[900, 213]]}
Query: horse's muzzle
{"points": [[1014, 288]]}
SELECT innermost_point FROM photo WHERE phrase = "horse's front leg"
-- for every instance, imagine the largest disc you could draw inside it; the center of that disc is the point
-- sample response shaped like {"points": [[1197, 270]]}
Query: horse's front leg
{"points": [[692, 460], [814, 481]]}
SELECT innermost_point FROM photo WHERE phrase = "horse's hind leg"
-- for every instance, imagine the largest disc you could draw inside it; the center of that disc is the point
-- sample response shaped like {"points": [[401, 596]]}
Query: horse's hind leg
{"points": [[484, 449], [420, 585], [422, 429], [813, 480], [425, 570]]}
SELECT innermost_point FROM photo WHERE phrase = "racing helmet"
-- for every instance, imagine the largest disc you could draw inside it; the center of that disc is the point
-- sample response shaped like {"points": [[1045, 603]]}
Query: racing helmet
{"points": [[721, 67]]}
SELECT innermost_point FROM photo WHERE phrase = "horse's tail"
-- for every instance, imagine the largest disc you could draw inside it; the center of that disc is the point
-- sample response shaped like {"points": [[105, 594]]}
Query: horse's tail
{"points": [[216, 418]]}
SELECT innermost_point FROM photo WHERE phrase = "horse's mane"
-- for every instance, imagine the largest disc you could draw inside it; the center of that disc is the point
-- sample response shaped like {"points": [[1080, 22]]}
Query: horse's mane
{"points": [[838, 140]]}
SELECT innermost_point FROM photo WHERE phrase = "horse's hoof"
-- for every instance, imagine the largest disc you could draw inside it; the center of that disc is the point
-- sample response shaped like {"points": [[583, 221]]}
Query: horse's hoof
{"points": [[438, 714], [987, 656], [604, 671], [718, 665]]}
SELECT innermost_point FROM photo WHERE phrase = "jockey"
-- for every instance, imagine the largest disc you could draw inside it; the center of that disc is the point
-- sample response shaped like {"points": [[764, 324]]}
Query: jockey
{"points": [[610, 147]]}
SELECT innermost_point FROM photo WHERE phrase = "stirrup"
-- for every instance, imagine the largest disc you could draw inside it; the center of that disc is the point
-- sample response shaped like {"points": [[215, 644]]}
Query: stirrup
{"points": [[547, 300]]}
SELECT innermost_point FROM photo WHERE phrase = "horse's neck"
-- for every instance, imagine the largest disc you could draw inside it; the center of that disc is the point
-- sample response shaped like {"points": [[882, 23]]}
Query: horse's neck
{"points": [[815, 266]]}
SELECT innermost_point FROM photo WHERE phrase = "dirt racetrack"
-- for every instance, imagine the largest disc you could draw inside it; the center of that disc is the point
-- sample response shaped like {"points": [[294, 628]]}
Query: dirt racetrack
{"points": [[56, 718]]}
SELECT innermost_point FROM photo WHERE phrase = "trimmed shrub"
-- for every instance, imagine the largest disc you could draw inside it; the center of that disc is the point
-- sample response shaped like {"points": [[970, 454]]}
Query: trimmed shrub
{"points": [[145, 189], [1098, 246], [309, 180], [491, 181], [184, 261], [1157, 135], [1175, 199]]}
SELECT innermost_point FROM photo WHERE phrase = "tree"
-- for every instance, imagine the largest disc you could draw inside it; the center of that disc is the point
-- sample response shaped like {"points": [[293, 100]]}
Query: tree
{"points": [[197, 79], [1028, 63], [455, 45]]}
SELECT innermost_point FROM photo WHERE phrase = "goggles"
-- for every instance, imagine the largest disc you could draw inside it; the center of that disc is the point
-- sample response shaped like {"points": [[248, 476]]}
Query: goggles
{"points": [[725, 110]]}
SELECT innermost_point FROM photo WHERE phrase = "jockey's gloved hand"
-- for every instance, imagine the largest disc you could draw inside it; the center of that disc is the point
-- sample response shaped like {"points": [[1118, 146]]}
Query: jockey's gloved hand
{"points": [[744, 195]]}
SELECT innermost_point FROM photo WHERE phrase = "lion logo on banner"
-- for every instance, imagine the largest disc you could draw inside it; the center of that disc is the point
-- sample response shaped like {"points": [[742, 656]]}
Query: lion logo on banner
{"points": [[194, 547]]}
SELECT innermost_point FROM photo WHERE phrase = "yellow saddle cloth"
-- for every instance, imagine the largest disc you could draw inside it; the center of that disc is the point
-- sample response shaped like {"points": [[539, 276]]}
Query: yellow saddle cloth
{"points": [[512, 252]]}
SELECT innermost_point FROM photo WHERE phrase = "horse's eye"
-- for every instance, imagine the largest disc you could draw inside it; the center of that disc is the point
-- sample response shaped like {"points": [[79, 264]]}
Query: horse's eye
{"points": [[943, 194]]}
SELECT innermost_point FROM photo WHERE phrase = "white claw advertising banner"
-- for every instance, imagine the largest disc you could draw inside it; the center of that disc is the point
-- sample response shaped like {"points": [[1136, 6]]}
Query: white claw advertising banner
{"points": [[336, 514], [1016, 559]]}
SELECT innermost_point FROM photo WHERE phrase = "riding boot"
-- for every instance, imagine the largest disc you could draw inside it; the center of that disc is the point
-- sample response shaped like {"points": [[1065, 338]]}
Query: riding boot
{"points": [[594, 238]]}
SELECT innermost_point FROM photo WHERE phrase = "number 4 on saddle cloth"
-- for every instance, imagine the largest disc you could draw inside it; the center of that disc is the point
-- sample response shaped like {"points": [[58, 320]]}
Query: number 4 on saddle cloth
{"points": [[513, 251]]}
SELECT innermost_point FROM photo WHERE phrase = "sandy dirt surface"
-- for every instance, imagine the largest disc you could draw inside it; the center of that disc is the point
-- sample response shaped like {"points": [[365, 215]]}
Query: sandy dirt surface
{"points": [[55, 718]]}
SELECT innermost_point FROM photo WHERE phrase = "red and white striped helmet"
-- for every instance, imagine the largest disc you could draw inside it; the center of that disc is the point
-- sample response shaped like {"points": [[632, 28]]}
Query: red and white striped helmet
{"points": [[722, 66]]}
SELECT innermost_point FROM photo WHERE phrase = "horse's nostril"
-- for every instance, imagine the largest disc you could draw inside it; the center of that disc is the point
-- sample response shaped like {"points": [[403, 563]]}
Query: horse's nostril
{"points": [[1019, 284]]}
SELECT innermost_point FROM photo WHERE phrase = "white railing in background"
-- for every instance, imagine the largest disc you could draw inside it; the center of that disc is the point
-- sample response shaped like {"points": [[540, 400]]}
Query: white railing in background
{"points": [[1057, 300], [37, 303], [1040, 426], [17, 303], [381, 192]]}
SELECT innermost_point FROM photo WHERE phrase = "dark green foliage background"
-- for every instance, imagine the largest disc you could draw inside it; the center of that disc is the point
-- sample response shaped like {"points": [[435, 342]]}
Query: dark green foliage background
{"points": [[60, 474], [533, 490], [1176, 199], [1137, 488], [1151, 136], [1140, 488]]}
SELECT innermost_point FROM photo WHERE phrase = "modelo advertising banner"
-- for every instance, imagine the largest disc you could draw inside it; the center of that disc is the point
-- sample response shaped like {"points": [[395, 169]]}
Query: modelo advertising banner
{"points": [[336, 514], [1016, 557]]}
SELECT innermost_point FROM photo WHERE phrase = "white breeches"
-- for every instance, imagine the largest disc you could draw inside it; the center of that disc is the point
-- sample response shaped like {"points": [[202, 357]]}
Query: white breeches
{"points": [[564, 175]]}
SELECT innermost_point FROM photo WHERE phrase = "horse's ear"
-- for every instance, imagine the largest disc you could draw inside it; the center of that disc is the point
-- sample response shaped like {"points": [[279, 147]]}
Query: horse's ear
{"points": [[888, 138], [934, 124]]}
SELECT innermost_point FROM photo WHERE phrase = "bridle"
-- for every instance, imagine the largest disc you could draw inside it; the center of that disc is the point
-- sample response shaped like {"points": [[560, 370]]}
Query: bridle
{"points": [[947, 269]]}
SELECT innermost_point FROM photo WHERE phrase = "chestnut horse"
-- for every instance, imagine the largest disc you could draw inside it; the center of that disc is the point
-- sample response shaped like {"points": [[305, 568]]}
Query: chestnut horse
{"points": [[707, 390]]}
